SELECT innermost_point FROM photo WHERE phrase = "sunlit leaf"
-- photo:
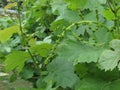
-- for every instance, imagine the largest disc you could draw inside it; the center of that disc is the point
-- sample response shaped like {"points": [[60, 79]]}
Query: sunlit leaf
{"points": [[41, 49], [11, 5], [16, 60], [8, 32]]}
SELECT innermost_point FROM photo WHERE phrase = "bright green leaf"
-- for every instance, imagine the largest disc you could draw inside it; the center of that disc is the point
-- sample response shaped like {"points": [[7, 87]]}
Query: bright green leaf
{"points": [[75, 4], [108, 14], [41, 49], [16, 59], [7, 33]]}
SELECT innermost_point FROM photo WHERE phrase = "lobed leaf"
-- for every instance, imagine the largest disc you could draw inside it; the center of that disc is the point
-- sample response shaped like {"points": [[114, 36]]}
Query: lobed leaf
{"points": [[109, 58], [61, 72], [78, 52]]}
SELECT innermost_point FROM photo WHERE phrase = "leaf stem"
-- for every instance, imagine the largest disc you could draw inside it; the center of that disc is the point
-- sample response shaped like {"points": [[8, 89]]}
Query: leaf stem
{"points": [[22, 33], [34, 61], [19, 17]]}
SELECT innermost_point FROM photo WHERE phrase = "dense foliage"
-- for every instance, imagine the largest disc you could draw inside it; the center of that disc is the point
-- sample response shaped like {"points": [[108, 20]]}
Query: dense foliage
{"points": [[61, 45]]}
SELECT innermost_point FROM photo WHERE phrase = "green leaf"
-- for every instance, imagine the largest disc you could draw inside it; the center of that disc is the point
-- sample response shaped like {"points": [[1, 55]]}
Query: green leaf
{"points": [[81, 69], [108, 14], [109, 58], [102, 1], [41, 49], [115, 85], [80, 30], [69, 15], [40, 83], [58, 5], [93, 4], [61, 72], [91, 16], [16, 59], [13, 77], [7, 33], [27, 73], [59, 25], [78, 52], [76, 4], [115, 44], [118, 13], [44, 86], [99, 36], [89, 83]]}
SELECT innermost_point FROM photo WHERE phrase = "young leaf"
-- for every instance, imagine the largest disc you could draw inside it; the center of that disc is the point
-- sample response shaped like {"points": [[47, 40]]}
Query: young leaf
{"points": [[16, 59], [109, 15], [75, 4], [7, 33], [41, 49]]}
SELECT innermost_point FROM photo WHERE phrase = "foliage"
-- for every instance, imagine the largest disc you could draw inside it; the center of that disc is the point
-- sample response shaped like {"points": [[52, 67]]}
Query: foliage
{"points": [[5, 22], [62, 45]]}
